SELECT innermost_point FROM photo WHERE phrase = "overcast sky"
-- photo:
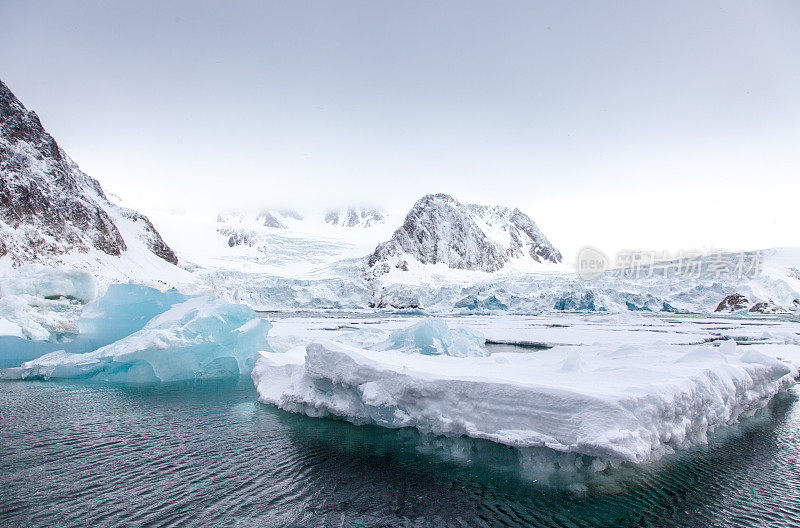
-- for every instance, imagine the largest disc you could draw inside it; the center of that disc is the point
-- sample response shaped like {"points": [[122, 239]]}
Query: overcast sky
{"points": [[659, 125]]}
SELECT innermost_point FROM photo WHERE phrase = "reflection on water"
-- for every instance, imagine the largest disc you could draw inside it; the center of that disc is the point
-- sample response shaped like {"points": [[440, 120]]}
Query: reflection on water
{"points": [[76, 454]]}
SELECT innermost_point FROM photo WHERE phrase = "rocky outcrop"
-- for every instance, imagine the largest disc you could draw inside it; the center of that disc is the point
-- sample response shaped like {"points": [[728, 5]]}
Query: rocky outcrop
{"points": [[48, 206], [440, 230], [732, 303], [238, 236], [267, 219], [767, 307]]}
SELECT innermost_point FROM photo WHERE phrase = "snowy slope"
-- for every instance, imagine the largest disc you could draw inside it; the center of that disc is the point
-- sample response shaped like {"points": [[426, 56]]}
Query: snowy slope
{"points": [[289, 243], [52, 213]]}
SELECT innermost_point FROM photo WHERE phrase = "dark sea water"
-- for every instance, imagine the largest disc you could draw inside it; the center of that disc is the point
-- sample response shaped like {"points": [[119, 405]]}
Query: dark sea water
{"points": [[82, 454]]}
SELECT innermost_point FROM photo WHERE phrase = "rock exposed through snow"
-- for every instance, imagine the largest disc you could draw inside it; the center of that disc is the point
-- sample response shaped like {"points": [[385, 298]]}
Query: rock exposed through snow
{"points": [[440, 230], [50, 211]]}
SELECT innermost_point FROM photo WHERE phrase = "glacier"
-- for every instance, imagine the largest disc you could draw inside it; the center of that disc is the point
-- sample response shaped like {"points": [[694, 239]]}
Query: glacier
{"points": [[139, 335], [631, 403], [437, 289]]}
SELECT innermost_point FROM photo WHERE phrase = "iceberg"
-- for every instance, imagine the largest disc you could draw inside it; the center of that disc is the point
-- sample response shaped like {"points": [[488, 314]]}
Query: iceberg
{"points": [[619, 404], [432, 336], [123, 310], [193, 338], [48, 283], [40, 303], [38, 307]]}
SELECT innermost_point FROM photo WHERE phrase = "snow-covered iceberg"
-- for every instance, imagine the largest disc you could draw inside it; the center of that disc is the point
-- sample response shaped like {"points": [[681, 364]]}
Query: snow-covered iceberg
{"points": [[179, 339], [433, 336], [38, 302], [629, 404], [38, 306]]}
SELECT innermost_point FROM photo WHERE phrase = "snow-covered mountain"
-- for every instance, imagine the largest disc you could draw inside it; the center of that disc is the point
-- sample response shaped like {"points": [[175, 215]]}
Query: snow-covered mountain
{"points": [[52, 213], [440, 230], [296, 241], [362, 217]]}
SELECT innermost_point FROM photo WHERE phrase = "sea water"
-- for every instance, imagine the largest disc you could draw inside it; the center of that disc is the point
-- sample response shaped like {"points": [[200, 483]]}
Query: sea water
{"points": [[207, 454]]}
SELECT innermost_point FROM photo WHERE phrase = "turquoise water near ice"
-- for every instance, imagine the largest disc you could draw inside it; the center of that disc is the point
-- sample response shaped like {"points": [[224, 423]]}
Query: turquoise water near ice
{"points": [[88, 454]]}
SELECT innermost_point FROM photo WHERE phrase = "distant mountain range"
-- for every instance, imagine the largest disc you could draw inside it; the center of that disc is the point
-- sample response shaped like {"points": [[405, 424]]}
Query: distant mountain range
{"points": [[52, 213]]}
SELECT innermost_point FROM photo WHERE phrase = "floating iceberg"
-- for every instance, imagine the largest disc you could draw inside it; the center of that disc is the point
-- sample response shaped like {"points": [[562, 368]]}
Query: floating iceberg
{"points": [[194, 338], [40, 303], [123, 310], [630, 404], [432, 336], [49, 283]]}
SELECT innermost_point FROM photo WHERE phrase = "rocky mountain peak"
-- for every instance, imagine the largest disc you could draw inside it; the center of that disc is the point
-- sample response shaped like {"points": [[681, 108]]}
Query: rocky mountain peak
{"points": [[441, 230], [48, 206]]}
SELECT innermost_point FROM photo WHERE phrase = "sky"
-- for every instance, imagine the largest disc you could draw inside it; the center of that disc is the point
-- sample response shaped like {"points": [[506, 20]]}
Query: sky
{"points": [[647, 125]]}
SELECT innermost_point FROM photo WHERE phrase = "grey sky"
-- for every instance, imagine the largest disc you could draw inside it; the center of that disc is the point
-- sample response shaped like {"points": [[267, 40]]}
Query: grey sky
{"points": [[639, 124]]}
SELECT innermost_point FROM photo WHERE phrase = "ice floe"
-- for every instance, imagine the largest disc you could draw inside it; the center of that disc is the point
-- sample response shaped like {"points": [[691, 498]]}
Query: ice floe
{"points": [[620, 403], [41, 303]]}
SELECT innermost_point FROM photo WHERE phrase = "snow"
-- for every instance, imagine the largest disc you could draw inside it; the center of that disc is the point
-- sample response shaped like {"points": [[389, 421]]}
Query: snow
{"points": [[37, 302], [433, 336], [620, 403], [155, 337], [40, 281], [305, 249], [8, 328]]}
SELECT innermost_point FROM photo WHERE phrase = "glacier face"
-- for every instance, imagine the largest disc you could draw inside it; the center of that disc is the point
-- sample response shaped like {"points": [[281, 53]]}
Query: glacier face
{"points": [[439, 229], [53, 213], [513, 293], [630, 403], [150, 336]]}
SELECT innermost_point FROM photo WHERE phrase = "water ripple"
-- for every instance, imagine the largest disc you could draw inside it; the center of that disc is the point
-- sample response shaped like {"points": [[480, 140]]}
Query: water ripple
{"points": [[75, 454]]}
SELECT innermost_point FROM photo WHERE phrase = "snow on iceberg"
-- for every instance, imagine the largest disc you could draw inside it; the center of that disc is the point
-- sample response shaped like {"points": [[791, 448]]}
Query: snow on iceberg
{"points": [[629, 404], [432, 336], [38, 302], [39, 281], [199, 338]]}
